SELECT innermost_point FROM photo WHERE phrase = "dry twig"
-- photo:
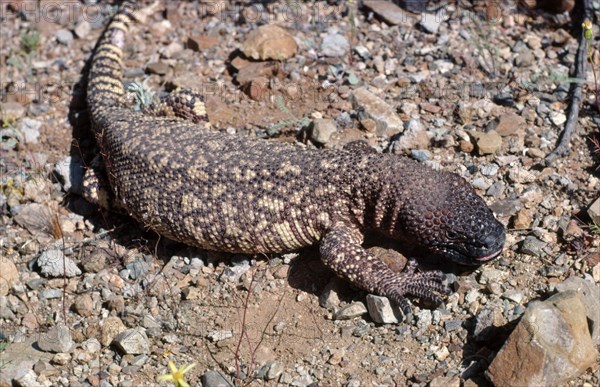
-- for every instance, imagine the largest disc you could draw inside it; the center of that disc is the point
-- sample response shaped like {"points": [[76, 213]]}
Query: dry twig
{"points": [[562, 149]]}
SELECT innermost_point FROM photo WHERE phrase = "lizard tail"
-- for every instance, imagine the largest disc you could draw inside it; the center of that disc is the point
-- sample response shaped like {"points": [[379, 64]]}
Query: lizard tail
{"points": [[105, 85]]}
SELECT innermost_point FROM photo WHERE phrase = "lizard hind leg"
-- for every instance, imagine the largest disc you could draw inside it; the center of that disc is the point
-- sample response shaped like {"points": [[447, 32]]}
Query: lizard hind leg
{"points": [[182, 103], [342, 252]]}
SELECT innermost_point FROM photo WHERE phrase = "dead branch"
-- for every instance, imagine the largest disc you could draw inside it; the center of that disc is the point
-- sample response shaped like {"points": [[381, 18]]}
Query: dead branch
{"points": [[562, 149]]}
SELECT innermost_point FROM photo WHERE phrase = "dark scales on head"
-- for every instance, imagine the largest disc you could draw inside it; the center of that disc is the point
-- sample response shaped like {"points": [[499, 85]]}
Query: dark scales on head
{"points": [[222, 192]]}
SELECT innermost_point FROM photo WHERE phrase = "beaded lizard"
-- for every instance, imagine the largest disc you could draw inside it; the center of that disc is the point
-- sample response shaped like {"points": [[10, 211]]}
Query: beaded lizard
{"points": [[222, 192]]}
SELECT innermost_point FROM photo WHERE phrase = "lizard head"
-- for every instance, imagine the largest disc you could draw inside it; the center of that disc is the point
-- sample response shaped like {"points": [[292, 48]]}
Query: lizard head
{"points": [[447, 217]]}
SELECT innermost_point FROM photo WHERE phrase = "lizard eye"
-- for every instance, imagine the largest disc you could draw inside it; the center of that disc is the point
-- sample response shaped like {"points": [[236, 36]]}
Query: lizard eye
{"points": [[451, 235]]}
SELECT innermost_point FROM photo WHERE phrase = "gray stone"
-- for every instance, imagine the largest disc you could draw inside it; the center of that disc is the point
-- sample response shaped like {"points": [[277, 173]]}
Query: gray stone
{"points": [[48, 294], [594, 211], [431, 22], [235, 272], [442, 66], [506, 207], [362, 51], [414, 136], [139, 360], [137, 268], [424, 318], [64, 36], [420, 154], [452, 325], [5, 312], [28, 378], [215, 379], [485, 323], [330, 299], [82, 29], [70, 171], [590, 295], [322, 129], [489, 275], [513, 295], [481, 183], [57, 339], [53, 263], [490, 169], [381, 310], [558, 118], [348, 312], [215, 336], [388, 12], [275, 369], [31, 130], [533, 246], [550, 346], [524, 59], [133, 341], [386, 122], [20, 356], [496, 189], [335, 45]]}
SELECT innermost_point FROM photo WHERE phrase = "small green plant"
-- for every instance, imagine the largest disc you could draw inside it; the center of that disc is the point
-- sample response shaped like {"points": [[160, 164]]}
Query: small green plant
{"points": [[293, 121], [588, 35], [30, 41], [480, 38], [595, 228], [3, 345], [23, 57], [177, 375], [143, 96]]}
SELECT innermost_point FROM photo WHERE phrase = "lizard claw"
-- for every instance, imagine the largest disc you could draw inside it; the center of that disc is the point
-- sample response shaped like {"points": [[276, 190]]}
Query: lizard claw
{"points": [[425, 285]]}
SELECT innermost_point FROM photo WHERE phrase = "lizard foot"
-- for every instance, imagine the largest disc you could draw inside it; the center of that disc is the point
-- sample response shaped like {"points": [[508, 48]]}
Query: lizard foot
{"points": [[427, 285]]}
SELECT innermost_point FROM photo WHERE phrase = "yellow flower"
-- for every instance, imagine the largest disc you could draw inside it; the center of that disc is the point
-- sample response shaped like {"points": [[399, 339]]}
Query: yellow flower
{"points": [[587, 29], [176, 375]]}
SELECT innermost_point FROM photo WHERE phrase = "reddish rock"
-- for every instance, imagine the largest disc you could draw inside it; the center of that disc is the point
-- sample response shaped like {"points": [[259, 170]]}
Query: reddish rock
{"points": [[269, 42], [202, 42], [509, 124]]}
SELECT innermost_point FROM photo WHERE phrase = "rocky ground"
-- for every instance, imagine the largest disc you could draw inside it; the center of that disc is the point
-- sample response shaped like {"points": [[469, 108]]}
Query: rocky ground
{"points": [[87, 297]]}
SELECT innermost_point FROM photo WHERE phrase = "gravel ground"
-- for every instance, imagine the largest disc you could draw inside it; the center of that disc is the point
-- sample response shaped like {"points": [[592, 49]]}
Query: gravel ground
{"points": [[109, 303]]}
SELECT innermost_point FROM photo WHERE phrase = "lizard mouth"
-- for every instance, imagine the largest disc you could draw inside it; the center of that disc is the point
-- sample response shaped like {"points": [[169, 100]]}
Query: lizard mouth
{"points": [[489, 257]]}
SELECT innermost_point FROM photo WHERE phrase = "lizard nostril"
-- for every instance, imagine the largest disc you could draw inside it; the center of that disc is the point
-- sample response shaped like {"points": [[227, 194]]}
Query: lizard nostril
{"points": [[495, 238]]}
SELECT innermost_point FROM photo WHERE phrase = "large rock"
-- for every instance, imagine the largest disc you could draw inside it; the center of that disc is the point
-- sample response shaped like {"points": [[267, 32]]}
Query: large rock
{"points": [[590, 295], [377, 116], [550, 346], [269, 42], [53, 263], [57, 339]]}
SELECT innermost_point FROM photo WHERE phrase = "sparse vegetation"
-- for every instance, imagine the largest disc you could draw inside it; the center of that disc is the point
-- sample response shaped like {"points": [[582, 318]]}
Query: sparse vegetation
{"points": [[30, 41], [22, 58], [177, 375], [480, 37], [143, 96], [293, 121], [587, 33]]}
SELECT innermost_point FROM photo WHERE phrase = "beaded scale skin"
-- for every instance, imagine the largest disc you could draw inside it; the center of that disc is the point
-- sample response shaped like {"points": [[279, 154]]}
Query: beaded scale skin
{"points": [[176, 176]]}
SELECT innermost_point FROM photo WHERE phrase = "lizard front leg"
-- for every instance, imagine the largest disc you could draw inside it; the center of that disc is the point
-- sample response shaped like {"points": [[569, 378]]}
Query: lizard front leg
{"points": [[342, 252]]}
